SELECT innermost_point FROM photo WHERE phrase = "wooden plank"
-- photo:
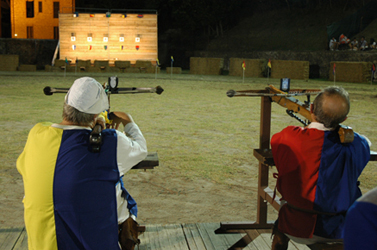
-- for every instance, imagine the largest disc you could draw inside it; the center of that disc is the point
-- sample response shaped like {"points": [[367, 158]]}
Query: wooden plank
{"points": [[145, 241], [299, 246], [193, 238], [21, 243], [176, 236], [268, 195], [209, 241], [173, 236], [234, 238], [258, 241], [216, 241], [113, 27], [243, 225], [8, 237], [150, 239], [266, 236], [373, 156], [161, 237], [149, 162]]}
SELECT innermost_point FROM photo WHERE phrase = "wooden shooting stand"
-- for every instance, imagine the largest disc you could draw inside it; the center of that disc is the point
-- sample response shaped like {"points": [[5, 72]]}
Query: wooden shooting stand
{"points": [[149, 162], [264, 156]]}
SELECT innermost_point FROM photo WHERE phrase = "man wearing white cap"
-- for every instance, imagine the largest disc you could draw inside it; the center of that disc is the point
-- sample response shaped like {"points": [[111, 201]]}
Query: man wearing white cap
{"points": [[70, 200]]}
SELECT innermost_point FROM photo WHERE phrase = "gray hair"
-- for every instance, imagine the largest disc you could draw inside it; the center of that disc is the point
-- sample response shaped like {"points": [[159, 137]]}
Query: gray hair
{"points": [[75, 116], [331, 117]]}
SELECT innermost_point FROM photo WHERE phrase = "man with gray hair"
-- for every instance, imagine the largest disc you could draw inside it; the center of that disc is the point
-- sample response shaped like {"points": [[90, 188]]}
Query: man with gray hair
{"points": [[317, 173], [73, 196]]}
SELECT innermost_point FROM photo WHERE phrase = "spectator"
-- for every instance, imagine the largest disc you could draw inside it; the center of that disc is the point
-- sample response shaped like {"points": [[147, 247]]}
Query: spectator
{"points": [[333, 45], [343, 41], [372, 44], [354, 44], [363, 45]]}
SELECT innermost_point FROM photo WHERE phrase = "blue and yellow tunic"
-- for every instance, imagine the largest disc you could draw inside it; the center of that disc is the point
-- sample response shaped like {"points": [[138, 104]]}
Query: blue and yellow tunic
{"points": [[70, 198]]}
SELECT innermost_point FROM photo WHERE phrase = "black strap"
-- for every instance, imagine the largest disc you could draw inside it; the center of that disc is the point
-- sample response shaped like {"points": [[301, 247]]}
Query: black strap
{"points": [[314, 211], [95, 138]]}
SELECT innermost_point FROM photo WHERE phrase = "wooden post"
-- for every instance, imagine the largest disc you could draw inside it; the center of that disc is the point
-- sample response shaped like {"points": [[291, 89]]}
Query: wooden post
{"points": [[264, 144]]}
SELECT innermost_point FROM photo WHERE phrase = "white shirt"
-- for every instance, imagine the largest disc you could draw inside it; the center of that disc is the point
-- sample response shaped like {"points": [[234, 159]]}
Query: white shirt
{"points": [[318, 126]]}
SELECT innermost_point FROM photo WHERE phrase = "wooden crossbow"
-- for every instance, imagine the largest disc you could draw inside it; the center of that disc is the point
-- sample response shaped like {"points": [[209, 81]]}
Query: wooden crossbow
{"points": [[294, 106], [111, 87]]}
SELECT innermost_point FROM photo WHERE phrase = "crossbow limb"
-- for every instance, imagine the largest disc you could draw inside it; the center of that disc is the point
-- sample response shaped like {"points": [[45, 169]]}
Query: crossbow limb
{"points": [[287, 100]]}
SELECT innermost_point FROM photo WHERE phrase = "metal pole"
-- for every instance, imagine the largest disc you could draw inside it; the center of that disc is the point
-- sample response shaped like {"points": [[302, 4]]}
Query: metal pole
{"points": [[171, 69]]}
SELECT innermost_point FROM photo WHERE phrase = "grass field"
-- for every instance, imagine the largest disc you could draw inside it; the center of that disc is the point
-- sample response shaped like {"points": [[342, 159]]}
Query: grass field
{"points": [[198, 132]]}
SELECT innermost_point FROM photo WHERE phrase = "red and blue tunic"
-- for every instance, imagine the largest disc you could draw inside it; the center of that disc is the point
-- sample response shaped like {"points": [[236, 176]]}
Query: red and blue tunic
{"points": [[319, 174]]}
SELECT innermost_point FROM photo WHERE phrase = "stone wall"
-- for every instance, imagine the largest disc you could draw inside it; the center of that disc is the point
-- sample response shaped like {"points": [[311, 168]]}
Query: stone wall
{"points": [[319, 61], [40, 52], [31, 51]]}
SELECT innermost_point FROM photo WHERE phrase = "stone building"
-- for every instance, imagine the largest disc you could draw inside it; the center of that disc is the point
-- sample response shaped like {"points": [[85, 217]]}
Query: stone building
{"points": [[38, 19]]}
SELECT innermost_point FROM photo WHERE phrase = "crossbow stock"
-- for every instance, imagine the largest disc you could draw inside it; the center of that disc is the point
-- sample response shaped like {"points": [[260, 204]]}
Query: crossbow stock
{"points": [[293, 106]]}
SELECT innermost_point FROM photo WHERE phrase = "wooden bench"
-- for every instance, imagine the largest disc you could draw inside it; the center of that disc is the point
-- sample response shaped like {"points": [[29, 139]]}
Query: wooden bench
{"points": [[122, 65], [27, 67], [174, 70], [150, 162]]}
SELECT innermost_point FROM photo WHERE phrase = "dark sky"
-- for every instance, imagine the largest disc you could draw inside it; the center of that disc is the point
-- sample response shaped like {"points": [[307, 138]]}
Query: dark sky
{"points": [[118, 4]]}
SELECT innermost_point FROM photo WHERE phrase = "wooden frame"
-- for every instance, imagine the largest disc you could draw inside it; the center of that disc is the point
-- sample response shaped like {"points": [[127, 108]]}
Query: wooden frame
{"points": [[119, 31]]}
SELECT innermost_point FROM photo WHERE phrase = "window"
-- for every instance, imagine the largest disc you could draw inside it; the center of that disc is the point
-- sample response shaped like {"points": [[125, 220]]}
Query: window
{"points": [[30, 9], [40, 7], [56, 9], [30, 32], [56, 32]]}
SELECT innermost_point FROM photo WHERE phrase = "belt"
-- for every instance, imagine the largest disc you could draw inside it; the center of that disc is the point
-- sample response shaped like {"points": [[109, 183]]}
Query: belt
{"points": [[315, 211]]}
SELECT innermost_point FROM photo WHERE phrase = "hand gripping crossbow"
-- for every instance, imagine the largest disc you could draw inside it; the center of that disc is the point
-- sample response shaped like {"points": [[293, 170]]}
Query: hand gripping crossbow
{"points": [[111, 87], [294, 106]]}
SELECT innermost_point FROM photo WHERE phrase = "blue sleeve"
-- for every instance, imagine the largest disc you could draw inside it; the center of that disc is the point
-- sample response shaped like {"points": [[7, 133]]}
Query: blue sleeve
{"points": [[360, 231]]}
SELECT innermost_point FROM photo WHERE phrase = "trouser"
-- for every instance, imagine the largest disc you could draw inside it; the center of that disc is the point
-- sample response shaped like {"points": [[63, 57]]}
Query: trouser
{"points": [[126, 205]]}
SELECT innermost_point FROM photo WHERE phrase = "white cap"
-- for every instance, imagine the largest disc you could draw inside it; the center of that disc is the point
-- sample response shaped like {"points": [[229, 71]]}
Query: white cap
{"points": [[88, 96]]}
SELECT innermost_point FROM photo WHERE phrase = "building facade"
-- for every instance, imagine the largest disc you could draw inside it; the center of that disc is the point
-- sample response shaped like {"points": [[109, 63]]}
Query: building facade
{"points": [[38, 19]]}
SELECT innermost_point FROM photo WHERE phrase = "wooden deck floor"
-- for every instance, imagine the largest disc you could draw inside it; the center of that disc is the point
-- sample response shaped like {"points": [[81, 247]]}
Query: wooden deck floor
{"points": [[198, 236]]}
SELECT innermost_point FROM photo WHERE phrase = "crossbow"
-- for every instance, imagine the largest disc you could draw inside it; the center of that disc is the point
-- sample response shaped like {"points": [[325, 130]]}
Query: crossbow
{"points": [[293, 106], [111, 87]]}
